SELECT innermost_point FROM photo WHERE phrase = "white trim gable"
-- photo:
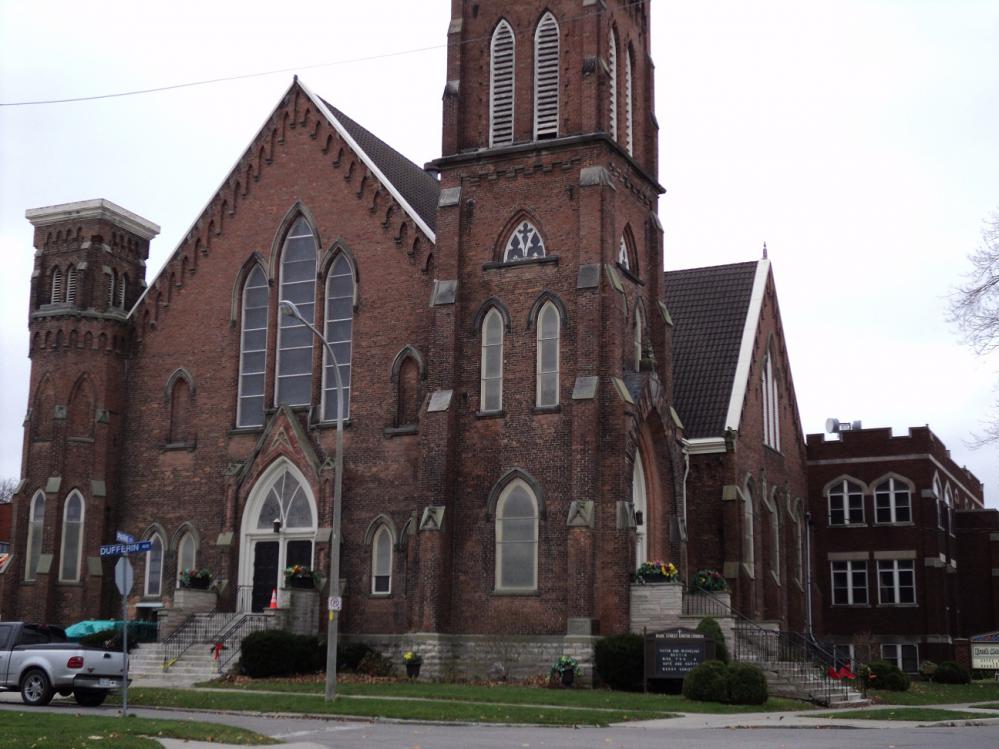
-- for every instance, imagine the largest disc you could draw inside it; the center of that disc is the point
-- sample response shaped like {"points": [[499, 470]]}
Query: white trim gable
{"points": [[740, 382]]}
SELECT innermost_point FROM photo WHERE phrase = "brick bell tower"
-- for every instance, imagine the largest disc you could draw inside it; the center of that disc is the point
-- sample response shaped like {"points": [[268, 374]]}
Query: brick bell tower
{"points": [[90, 265], [547, 228]]}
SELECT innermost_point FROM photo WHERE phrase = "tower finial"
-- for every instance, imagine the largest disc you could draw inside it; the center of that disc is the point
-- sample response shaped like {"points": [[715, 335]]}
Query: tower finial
{"points": [[764, 250]]}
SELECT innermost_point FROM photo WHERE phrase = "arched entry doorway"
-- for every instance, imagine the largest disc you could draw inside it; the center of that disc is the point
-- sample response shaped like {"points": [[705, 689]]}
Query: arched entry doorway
{"points": [[278, 530]]}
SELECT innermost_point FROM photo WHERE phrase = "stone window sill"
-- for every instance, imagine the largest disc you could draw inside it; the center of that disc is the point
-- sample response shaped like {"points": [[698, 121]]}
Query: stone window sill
{"points": [[490, 414], [502, 265], [627, 273], [402, 431], [556, 409], [504, 593]]}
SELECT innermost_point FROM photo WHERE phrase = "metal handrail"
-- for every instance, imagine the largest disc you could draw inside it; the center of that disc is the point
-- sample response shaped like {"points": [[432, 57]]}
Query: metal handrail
{"points": [[247, 624], [803, 657], [197, 628]]}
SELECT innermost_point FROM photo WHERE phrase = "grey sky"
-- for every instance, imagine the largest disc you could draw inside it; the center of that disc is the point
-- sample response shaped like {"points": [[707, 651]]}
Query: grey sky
{"points": [[859, 139]]}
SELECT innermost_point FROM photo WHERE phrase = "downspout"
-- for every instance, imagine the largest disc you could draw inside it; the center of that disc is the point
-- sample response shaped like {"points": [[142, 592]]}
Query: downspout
{"points": [[808, 577]]}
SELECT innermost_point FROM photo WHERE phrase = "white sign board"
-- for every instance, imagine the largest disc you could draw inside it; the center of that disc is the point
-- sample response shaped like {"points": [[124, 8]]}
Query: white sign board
{"points": [[985, 655], [335, 603], [123, 576]]}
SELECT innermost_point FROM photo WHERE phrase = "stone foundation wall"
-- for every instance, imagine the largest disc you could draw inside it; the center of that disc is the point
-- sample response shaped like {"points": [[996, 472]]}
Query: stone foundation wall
{"points": [[659, 606], [186, 602]]}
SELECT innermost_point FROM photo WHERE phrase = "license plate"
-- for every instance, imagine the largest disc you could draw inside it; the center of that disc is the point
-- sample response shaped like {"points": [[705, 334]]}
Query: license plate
{"points": [[108, 683]]}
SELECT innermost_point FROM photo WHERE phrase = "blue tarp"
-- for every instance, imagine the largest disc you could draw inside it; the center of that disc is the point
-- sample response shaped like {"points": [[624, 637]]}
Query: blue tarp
{"points": [[81, 629]]}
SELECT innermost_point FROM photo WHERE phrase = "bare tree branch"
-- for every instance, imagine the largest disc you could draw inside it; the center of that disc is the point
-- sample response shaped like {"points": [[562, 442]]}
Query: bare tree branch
{"points": [[7, 487]]}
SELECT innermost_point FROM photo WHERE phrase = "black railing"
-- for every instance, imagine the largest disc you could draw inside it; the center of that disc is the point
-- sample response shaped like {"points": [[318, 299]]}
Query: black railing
{"points": [[197, 629], [229, 644], [695, 604], [799, 659]]}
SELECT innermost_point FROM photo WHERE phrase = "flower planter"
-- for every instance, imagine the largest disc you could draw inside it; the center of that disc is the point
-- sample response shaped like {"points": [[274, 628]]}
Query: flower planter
{"points": [[568, 677], [413, 670], [198, 583], [300, 582]]}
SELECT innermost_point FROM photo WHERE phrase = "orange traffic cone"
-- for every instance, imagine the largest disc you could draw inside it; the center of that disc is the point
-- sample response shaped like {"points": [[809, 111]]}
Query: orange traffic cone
{"points": [[273, 598]]}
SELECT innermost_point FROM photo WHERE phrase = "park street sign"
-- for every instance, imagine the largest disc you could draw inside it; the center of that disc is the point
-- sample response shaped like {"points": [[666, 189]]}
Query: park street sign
{"points": [[124, 538], [117, 550]]}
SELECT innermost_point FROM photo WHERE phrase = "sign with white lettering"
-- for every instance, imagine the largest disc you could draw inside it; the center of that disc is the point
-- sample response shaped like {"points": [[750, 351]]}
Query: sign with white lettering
{"points": [[985, 651], [124, 538], [673, 653], [118, 550]]}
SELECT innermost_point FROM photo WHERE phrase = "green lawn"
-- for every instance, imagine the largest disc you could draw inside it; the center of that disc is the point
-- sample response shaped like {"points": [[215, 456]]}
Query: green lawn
{"points": [[922, 714], [925, 693], [43, 730], [448, 710]]}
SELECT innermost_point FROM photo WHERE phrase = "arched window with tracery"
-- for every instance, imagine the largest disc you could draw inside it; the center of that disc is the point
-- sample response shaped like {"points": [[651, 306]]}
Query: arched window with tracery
{"points": [[546, 77], [340, 334], [381, 562], [253, 349], [36, 525], [295, 340], [154, 567], [187, 554], [517, 538], [501, 85], [548, 328], [524, 243], [72, 538], [491, 388]]}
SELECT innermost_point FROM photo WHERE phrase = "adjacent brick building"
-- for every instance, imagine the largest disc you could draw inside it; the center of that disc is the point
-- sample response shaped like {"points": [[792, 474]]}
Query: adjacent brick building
{"points": [[904, 551]]}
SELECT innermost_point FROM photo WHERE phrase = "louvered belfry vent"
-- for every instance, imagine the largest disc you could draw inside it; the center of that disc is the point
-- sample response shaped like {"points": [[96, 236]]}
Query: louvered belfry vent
{"points": [[56, 296], [546, 78], [629, 138], [612, 89], [71, 285], [501, 88]]}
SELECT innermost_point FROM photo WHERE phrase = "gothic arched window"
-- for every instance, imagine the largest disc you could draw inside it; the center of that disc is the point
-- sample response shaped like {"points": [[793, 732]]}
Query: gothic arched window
{"points": [[187, 553], [748, 535], [846, 503], [409, 400], [501, 85], [36, 524], [639, 334], [298, 285], [491, 394], [109, 288], [771, 411], [639, 499], [381, 562], [525, 242], [154, 567], [339, 333], [253, 351], [546, 78], [72, 538], [180, 413], [892, 502], [517, 538], [548, 324]]}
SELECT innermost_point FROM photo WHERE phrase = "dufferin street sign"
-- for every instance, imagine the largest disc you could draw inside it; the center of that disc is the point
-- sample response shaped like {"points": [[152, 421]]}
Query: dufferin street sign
{"points": [[117, 550]]}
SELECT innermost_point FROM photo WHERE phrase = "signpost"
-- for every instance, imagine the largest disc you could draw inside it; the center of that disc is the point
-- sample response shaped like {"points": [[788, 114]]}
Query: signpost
{"points": [[124, 579], [673, 653]]}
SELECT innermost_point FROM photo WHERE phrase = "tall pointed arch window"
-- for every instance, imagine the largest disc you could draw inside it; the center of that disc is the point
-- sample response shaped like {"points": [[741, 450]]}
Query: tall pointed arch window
{"points": [[501, 85], [549, 323], [154, 567], [56, 286], [36, 524], [629, 132], [639, 333], [525, 242], [748, 534], [771, 406], [639, 498], [72, 538], [253, 353], [612, 83], [546, 77], [491, 388], [187, 554], [71, 282], [517, 538], [298, 285], [381, 562], [340, 334]]}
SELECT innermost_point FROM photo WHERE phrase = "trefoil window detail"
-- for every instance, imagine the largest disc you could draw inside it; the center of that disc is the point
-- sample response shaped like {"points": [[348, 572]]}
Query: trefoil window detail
{"points": [[524, 243]]}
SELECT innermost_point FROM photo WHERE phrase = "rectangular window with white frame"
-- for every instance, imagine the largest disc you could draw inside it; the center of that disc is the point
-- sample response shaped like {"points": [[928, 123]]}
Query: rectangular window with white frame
{"points": [[903, 655], [896, 582], [849, 583], [843, 656]]}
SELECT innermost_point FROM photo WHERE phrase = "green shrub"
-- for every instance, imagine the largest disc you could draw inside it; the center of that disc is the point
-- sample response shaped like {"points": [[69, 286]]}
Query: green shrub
{"points": [[619, 661], [376, 664], [710, 628], [279, 653], [885, 675], [707, 682], [951, 672], [350, 655], [747, 684], [927, 669]]}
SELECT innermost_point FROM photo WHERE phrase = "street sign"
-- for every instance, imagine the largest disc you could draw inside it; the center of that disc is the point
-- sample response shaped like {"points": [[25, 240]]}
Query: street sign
{"points": [[117, 550], [123, 576], [335, 603], [124, 538]]}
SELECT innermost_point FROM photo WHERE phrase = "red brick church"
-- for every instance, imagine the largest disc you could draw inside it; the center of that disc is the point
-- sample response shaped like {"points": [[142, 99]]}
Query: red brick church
{"points": [[500, 317]]}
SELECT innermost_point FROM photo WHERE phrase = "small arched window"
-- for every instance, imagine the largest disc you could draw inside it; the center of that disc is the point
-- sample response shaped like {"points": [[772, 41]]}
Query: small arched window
{"points": [[748, 534], [629, 133], [846, 503], [71, 279], [381, 562], [501, 85], [517, 538], [639, 334], [546, 78], [187, 554], [253, 350], [622, 255], [491, 391], [154, 567], [340, 334], [72, 538], [774, 537], [612, 83], [295, 340], [892, 502], [524, 243], [548, 325], [408, 407], [180, 413], [771, 405], [57, 287], [36, 524]]}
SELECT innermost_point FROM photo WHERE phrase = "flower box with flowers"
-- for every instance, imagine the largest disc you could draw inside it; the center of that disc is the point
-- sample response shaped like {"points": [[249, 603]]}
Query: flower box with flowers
{"points": [[196, 579], [708, 581], [298, 576], [656, 571], [413, 662], [565, 670]]}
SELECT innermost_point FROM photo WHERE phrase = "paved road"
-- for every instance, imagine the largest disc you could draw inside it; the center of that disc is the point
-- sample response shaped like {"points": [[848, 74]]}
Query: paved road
{"points": [[689, 732]]}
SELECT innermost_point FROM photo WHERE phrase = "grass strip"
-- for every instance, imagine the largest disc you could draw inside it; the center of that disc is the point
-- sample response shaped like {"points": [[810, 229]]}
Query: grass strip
{"points": [[921, 714], [988, 706], [927, 693], [602, 699], [44, 730], [429, 710]]}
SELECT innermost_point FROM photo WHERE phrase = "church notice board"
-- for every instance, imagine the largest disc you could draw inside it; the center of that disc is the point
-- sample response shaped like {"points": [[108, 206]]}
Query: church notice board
{"points": [[985, 652], [672, 653]]}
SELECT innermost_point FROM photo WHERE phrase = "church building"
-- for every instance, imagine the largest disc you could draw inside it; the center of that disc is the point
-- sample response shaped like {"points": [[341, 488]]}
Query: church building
{"points": [[499, 320]]}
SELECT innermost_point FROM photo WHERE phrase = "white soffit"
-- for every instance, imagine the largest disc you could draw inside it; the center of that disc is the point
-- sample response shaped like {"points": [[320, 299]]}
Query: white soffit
{"points": [[740, 382]]}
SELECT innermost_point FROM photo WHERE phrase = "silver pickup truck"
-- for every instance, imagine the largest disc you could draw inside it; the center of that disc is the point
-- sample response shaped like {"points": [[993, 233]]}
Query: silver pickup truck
{"points": [[37, 660]]}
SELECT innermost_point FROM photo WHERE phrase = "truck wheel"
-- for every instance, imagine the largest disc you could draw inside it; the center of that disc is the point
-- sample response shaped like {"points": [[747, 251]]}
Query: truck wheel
{"points": [[90, 697], [35, 688]]}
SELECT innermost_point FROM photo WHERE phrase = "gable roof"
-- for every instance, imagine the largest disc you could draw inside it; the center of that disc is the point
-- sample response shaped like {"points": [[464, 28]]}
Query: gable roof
{"points": [[716, 312]]}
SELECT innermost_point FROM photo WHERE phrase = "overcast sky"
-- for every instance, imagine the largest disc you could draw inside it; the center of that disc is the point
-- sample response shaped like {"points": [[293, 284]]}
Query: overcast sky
{"points": [[859, 140]]}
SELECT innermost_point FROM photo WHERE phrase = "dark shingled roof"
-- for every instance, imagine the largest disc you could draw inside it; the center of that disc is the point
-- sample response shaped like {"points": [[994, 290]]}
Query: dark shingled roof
{"points": [[709, 308], [418, 187]]}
